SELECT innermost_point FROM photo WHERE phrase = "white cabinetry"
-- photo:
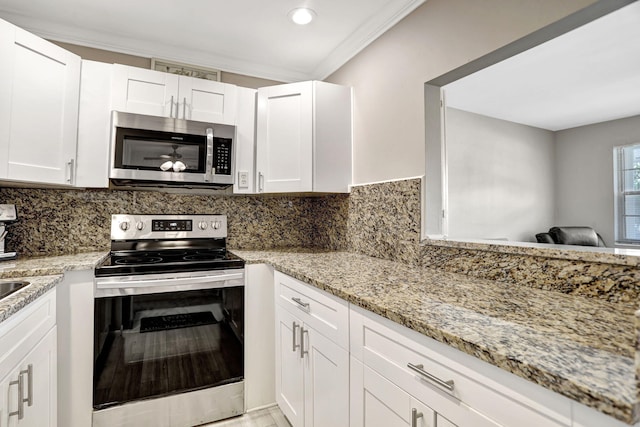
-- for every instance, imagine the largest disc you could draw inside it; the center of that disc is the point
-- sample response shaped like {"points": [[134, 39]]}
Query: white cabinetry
{"points": [[461, 390], [94, 125], [136, 90], [28, 362], [245, 141], [312, 360], [259, 347], [40, 84], [75, 345], [376, 402], [304, 138]]}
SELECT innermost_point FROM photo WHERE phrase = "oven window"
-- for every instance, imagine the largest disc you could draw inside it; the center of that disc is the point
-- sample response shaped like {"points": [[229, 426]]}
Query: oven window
{"points": [[160, 151], [160, 344]]}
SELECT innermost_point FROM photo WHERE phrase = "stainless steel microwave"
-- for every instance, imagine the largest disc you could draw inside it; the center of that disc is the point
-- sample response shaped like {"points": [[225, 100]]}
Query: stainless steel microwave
{"points": [[167, 152]]}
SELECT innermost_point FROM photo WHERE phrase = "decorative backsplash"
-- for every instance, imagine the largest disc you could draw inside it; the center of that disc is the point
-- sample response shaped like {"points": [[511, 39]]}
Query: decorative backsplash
{"points": [[55, 222], [379, 220]]}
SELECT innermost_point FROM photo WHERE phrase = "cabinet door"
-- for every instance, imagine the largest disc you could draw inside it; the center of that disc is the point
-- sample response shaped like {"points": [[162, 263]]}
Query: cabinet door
{"points": [[5, 392], [285, 138], [94, 125], [289, 367], [383, 404], [326, 381], [443, 422], [7, 35], [207, 101], [42, 129], [245, 140], [38, 372], [136, 90]]}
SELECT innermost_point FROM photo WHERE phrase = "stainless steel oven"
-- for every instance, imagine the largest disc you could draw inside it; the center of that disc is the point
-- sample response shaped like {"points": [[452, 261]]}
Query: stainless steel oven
{"points": [[168, 323]]}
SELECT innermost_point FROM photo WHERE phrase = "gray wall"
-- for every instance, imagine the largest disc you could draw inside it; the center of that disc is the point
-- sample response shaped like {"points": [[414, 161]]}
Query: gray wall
{"points": [[584, 161], [501, 178], [388, 76]]}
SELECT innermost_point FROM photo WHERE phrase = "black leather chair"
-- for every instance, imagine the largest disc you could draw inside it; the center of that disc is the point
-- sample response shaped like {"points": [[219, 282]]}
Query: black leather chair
{"points": [[581, 236]]}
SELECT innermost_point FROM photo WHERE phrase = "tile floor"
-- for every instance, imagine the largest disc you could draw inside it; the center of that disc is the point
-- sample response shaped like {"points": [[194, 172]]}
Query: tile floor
{"points": [[268, 417]]}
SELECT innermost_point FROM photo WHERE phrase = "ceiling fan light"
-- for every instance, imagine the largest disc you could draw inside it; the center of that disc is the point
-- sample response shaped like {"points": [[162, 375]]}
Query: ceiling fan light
{"points": [[178, 166], [166, 165], [302, 15]]}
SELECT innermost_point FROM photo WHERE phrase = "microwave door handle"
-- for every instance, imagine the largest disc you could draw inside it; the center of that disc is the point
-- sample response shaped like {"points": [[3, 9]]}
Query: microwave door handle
{"points": [[209, 172]]}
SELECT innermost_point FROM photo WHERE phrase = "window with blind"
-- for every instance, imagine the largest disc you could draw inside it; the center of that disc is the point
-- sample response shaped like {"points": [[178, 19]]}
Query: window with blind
{"points": [[627, 184]]}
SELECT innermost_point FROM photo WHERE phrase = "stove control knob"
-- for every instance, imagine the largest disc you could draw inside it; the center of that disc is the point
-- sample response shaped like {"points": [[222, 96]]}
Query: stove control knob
{"points": [[140, 226], [202, 225], [124, 225], [215, 225]]}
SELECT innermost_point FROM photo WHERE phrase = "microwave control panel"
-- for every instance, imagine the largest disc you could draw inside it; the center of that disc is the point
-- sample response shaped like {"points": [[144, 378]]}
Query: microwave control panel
{"points": [[222, 156]]}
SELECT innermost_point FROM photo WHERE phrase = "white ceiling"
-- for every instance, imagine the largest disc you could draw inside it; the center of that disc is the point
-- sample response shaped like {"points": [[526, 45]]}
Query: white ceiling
{"points": [[252, 37], [586, 76]]}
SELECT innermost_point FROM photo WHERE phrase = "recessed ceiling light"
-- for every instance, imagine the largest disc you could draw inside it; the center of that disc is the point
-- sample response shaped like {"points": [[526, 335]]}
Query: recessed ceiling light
{"points": [[302, 15]]}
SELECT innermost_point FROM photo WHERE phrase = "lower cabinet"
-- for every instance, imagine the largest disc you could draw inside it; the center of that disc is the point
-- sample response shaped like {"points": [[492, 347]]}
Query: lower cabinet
{"points": [[379, 403], [404, 369], [312, 371], [388, 375], [28, 384], [30, 390]]}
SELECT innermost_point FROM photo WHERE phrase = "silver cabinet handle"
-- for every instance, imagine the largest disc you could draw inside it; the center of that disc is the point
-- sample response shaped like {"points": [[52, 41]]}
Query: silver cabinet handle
{"points": [[420, 370], [20, 411], [302, 350], [260, 182], [71, 170], [171, 109], [415, 415], [184, 109], [29, 372], [300, 303], [295, 346]]}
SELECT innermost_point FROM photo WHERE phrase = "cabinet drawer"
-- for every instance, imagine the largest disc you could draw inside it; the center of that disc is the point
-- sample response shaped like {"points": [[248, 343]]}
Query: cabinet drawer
{"points": [[326, 313], [427, 369], [25, 329]]}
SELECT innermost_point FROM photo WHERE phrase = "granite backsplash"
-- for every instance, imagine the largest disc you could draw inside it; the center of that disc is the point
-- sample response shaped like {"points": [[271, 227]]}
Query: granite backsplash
{"points": [[55, 222], [379, 220]]}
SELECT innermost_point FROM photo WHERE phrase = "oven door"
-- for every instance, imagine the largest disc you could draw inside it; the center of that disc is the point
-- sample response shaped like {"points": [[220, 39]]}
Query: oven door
{"points": [[160, 335]]}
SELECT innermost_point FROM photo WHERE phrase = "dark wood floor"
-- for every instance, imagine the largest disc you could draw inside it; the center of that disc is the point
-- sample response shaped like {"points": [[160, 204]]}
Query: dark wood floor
{"points": [[197, 357]]}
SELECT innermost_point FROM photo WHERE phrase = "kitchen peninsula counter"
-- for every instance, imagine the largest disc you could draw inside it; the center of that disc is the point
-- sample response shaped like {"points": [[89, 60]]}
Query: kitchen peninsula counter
{"points": [[582, 348], [43, 273]]}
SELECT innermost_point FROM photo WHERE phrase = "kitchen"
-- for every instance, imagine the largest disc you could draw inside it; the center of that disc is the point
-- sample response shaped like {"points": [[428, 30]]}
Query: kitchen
{"points": [[380, 220]]}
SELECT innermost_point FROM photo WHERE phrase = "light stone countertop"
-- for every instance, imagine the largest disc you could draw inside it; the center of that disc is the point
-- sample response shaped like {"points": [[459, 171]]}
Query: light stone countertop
{"points": [[582, 348], [43, 273]]}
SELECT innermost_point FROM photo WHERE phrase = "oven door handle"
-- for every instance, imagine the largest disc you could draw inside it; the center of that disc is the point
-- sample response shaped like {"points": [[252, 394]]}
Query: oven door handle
{"points": [[111, 286]]}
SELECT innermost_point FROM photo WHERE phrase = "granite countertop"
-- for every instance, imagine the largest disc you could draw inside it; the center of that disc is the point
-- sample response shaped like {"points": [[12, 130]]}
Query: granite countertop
{"points": [[582, 348], [43, 273]]}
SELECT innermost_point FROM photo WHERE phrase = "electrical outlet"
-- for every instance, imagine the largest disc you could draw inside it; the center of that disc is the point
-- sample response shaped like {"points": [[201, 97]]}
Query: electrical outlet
{"points": [[243, 179]]}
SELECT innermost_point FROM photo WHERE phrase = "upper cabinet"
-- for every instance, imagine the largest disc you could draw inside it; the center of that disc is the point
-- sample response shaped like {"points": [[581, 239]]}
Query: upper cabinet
{"points": [[245, 141], [136, 90], [304, 138], [39, 91], [94, 125]]}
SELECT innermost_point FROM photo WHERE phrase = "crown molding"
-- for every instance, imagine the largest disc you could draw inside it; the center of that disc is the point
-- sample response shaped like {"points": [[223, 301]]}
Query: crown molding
{"points": [[363, 37], [388, 16]]}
